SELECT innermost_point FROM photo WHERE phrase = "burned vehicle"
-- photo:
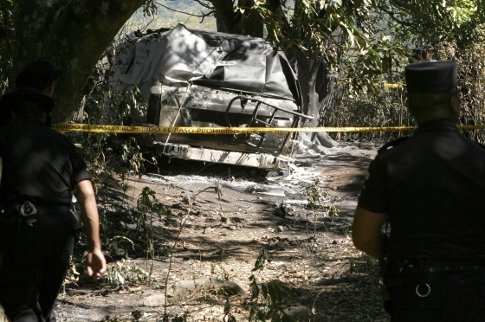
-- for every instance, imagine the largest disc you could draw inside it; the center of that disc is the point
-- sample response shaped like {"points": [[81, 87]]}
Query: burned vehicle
{"points": [[208, 79]]}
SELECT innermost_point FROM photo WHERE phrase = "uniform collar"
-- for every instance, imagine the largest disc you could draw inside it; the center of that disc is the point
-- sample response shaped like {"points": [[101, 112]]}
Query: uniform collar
{"points": [[31, 120], [437, 124]]}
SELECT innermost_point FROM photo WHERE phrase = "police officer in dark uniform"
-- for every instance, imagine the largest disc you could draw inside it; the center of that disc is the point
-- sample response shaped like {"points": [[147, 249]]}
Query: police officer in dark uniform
{"points": [[430, 188], [41, 170]]}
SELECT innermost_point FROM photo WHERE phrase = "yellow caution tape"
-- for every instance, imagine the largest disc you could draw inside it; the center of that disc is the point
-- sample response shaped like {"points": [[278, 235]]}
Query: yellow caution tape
{"points": [[387, 85], [99, 128]]}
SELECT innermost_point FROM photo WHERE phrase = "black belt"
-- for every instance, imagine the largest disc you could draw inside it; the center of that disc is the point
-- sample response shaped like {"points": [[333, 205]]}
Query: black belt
{"points": [[7, 212], [52, 209], [439, 266], [14, 215]]}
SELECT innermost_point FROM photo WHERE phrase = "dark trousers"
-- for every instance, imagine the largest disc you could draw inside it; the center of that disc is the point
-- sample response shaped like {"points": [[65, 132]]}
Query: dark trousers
{"points": [[35, 263], [453, 296]]}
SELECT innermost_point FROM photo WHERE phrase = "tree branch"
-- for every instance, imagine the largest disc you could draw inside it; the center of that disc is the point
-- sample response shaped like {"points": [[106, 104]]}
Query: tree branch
{"points": [[203, 15]]}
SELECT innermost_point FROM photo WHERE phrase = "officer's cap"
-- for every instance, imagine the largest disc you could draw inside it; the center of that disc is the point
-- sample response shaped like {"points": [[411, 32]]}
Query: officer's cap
{"points": [[38, 74], [431, 76]]}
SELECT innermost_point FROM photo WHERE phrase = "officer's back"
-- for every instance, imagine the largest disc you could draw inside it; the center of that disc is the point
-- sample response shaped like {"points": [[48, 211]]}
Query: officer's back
{"points": [[430, 188]]}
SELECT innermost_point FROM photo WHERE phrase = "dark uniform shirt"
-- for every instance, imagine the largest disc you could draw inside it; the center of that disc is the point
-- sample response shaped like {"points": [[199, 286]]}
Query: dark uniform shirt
{"points": [[39, 162], [432, 188]]}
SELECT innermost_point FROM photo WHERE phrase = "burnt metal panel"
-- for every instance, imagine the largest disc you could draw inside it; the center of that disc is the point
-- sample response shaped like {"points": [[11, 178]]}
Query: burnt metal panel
{"points": [[181, 57], [209, 79]]}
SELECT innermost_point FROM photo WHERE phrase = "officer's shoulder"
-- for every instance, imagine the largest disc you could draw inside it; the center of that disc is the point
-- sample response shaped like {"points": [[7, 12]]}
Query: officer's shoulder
{"points": [[392, 144], [480, 145]]}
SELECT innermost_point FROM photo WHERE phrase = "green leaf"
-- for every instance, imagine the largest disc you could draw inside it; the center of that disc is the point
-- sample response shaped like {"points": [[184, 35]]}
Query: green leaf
{"points": [[274, 295], [288, 290], [360, 40], [227, 307], [264, 290]]}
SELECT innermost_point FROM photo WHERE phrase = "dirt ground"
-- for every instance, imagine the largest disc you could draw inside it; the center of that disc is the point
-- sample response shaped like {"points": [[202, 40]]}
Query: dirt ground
{"points": [[216, 222]]}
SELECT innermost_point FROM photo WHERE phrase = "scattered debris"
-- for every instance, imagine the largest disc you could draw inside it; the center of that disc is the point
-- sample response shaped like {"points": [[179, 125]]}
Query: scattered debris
{"points": [[218, 249]]}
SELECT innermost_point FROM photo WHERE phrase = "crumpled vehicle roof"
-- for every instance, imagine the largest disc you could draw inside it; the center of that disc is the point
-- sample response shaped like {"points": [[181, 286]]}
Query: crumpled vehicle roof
{"points": [[182, 57]]}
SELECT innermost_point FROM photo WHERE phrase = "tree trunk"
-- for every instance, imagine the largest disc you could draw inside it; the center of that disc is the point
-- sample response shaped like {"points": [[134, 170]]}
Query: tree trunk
{"points": [[70, 34], [314, 87], [225, 15], [233, 21], [253, 22]]}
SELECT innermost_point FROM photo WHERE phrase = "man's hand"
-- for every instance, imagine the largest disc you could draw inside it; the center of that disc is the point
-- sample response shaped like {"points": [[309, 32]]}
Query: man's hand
{"points": [[366, 232], [96, 264]]}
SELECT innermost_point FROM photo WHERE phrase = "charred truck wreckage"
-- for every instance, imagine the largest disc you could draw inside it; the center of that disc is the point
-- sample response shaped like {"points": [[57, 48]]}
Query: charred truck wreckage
{"points": [[204, 79]]}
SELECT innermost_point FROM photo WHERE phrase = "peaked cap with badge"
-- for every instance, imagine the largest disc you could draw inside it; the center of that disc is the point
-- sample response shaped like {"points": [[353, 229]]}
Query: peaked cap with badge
{"points": [[431, 76]]}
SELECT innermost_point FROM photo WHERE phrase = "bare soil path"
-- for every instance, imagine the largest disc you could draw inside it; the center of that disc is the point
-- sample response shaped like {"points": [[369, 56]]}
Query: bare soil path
{"points": [[223, 219]]}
